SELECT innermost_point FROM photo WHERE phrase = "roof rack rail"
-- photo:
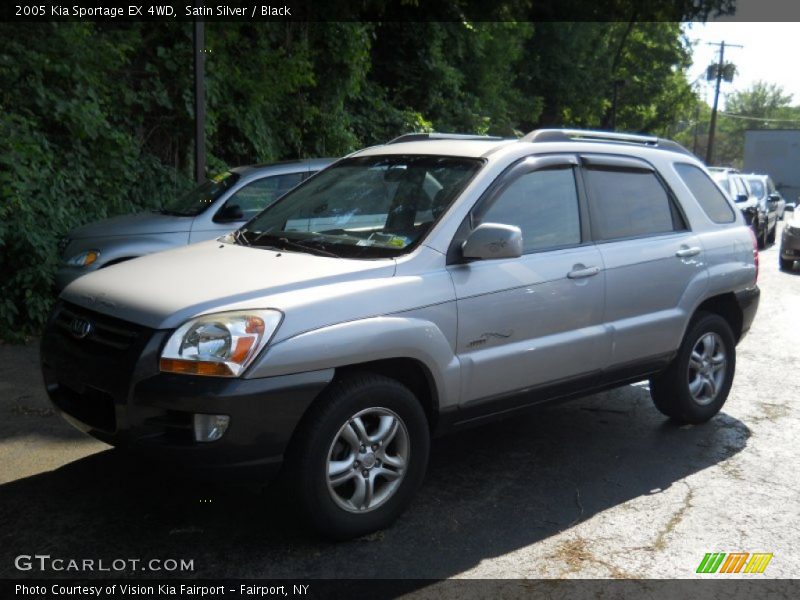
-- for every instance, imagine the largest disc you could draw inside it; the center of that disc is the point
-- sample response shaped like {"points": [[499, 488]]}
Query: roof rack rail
{"points": [[421, 137], [589, 135]]}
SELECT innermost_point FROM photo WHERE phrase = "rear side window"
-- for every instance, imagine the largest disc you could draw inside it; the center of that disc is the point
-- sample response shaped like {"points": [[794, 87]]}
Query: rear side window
{"points": [[629, 204], [711, 200]]}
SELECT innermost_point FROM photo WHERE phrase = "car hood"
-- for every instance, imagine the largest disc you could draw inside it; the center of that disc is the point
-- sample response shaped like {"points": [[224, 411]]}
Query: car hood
{"points": [[129, 225], [165, 289]]}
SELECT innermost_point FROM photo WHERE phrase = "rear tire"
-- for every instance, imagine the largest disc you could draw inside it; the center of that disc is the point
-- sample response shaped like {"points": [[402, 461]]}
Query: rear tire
{"points": [[771, 236], [696, 384], [786, 264], [359, 455], [762, 237]]}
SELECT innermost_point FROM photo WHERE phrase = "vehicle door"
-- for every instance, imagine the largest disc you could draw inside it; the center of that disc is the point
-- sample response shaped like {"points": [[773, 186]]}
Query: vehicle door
{"points": [[653, 262], [532, 322], [242, 204]]}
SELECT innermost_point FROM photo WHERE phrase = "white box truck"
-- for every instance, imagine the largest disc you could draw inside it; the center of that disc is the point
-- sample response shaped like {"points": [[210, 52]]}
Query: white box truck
{"points": [[775, 152]]}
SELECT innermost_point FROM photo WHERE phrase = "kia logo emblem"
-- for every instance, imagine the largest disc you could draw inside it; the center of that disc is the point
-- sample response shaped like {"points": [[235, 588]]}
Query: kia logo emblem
{"points": [[80, 328]]}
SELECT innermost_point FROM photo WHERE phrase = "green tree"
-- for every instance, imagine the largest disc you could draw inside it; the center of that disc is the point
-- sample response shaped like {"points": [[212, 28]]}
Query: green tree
{"points": [[761, 106]]}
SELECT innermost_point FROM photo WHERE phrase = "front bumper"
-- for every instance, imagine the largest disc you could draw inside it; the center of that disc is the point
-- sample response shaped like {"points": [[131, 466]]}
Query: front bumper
{"points": [[117, 395], [790, 245]]}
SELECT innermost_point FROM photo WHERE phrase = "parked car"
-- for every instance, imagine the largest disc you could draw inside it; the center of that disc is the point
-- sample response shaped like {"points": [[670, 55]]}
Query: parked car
{"points": [[210, 210], [790, 239], [756, 215], [409, 290], [770, 199]]}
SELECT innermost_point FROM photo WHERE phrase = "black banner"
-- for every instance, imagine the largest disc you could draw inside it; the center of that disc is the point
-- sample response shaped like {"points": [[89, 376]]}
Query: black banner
{"points": [[392, 10], [378, 589]]}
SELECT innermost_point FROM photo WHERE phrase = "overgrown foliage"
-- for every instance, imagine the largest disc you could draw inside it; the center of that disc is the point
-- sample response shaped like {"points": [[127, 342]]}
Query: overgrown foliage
{"points": [[97, 119]]}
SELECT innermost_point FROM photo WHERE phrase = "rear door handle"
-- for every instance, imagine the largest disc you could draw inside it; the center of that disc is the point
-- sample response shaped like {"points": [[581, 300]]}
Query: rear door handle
{"points": [[687, 252], [583, 272]]}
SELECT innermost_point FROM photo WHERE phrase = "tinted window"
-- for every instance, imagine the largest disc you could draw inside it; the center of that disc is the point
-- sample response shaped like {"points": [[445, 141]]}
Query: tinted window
{"points": [[200, 198], [255, 197], [711, 200], [741, 188], [629, 204], [544, 205]]}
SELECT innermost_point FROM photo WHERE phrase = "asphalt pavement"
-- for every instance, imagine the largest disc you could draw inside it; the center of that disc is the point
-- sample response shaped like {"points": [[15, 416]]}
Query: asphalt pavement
{"points": [[603, 486]]}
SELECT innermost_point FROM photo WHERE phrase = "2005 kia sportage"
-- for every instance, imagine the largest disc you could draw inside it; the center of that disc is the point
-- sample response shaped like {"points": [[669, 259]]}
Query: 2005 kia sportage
{"points": [[407, 290]]}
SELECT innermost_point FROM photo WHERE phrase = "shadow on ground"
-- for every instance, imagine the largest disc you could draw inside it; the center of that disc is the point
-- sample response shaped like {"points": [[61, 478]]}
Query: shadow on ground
{"points": [[488, 492]]}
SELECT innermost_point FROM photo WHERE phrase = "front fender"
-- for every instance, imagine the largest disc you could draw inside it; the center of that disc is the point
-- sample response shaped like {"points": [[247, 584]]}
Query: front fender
{"points": [[366, 340]]}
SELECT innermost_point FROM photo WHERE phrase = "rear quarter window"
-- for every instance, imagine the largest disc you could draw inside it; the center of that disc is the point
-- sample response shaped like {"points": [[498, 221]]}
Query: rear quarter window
{"points": [[708, 196]]}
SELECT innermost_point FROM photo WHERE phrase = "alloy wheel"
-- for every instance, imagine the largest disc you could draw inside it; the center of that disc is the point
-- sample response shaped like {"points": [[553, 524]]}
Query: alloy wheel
{"points": [[706, 372], [367, 460]]}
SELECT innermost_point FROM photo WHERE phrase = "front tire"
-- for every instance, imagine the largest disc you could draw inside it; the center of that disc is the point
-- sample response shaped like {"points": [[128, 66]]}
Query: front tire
{"points": [[696, 384], [359, 456]]}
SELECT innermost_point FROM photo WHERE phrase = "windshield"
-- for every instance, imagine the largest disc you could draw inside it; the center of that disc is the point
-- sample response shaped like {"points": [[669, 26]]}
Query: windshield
{"points": [[757, 187], [722, 179], [369, 207], [200, 198]]}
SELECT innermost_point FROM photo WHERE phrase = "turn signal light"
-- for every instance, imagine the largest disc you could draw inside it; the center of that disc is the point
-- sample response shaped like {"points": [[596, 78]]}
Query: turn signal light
{"points": [[195, 367]]}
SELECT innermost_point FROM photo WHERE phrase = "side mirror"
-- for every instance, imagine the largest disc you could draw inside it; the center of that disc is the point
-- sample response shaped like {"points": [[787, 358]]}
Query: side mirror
{"points": [[789, 206], [774, 198], [229, 213], [493, 240], [741, 198]]}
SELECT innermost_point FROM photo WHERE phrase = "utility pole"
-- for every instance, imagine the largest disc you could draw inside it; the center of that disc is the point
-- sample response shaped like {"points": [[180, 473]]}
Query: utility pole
{"points": [[199, 102], [719, 72]]}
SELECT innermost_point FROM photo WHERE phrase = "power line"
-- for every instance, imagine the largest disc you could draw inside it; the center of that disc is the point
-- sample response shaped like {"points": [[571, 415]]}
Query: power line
{"points": [[749, 118]]}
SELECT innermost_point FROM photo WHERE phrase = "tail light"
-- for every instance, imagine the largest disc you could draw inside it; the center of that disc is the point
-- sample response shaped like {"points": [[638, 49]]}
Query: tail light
{"points": [[755, 250]]}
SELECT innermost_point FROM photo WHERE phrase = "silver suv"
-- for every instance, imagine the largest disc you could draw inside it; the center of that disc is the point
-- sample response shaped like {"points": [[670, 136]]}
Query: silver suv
{"points": [[408, 290], [212, 209]]}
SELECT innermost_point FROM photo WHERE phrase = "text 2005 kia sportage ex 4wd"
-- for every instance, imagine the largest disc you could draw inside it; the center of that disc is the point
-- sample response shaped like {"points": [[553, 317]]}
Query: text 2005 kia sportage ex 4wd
{"points": [[407, 290]]}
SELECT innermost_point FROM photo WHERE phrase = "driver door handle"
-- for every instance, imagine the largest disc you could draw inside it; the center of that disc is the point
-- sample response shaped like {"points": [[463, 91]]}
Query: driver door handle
{"points": [[583, 272], [687, 252]]}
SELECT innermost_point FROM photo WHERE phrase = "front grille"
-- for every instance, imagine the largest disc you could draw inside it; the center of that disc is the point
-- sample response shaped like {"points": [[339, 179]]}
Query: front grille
{"points": [[106, 332], [95, 366], [92, 407]]}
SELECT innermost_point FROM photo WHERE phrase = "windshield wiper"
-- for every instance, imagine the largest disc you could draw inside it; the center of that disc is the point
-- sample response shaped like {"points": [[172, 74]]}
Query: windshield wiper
{"points": [[284, 242], [305, 247]]}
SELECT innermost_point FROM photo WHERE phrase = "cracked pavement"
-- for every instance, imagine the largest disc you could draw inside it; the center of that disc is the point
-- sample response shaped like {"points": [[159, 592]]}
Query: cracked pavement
{"points": [[599, 487]]}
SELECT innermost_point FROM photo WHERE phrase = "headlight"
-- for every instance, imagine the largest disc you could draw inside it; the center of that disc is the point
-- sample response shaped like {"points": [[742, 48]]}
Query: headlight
{"points": [[221, 345], [84, 259]]}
